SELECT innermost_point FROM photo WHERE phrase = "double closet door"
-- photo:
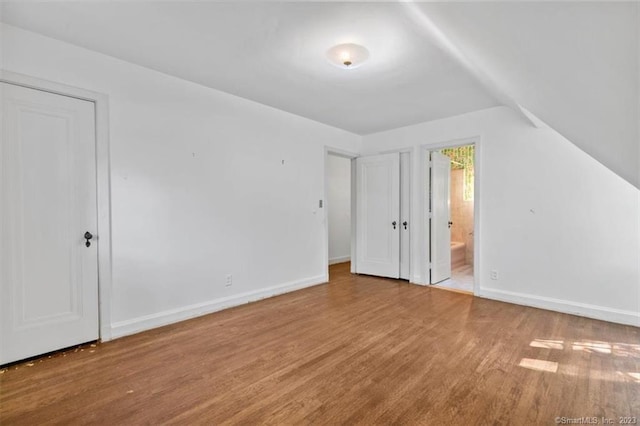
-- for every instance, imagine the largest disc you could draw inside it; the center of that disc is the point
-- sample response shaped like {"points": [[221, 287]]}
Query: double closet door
{"points": [[48, 218], [382, 215]]}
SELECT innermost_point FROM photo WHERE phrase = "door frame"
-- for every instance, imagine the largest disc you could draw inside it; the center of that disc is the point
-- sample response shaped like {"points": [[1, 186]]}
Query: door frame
{"points": [[328, 150], [103, 182], [409, 213], [425, 182]]}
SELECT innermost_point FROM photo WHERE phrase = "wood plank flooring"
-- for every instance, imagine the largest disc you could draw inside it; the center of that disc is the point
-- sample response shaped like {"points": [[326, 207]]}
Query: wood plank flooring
{"points": [[358, 350]]}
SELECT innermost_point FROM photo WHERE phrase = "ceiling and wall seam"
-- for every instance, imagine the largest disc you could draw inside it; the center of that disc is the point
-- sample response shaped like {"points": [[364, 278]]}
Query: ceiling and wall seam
{"points": [[570, 65]]}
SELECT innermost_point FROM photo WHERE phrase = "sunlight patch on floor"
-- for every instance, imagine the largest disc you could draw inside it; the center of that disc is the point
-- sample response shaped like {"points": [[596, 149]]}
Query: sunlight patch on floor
{"points": [[635, 377], [592, 374], [599, 347], [547, 344], [539, 365], [626, 350], [617, 349], [589, 347]]}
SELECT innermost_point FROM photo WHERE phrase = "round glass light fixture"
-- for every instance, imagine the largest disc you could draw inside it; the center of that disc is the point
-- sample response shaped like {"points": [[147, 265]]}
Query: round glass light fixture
{"points": [[347, 55]]}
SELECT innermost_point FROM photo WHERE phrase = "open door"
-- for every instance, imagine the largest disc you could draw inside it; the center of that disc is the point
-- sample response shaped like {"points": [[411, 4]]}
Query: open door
{"points": [[378, 215], [440, 218]]}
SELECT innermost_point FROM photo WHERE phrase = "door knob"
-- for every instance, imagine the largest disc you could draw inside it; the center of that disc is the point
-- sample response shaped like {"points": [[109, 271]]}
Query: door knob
{"points": [[87, 236], [405, 224], [450, 223], [394, 223]]}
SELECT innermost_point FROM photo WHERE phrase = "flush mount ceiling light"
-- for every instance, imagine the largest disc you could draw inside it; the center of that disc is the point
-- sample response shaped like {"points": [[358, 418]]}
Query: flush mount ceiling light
{"points": [[348, 55]]}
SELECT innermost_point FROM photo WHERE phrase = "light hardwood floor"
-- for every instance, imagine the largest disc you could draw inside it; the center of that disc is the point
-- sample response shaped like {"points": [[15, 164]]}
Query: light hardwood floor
{"points": [[359, 350]]}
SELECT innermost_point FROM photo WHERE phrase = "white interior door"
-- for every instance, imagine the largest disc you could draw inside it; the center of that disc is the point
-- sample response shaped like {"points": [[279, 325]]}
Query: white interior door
{"points": [[48, 277], [378, 215], [440, 217], [405, 205]]}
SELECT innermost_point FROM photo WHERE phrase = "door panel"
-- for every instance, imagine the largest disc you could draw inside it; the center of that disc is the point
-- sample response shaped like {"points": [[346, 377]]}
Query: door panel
{"points": [[48, 278], [440, 217], [378, 205], [405, 205]]}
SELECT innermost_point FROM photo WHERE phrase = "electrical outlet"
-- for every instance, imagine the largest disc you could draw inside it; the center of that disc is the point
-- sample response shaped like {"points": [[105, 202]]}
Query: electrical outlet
{"points": [[229, 281], [494, 274]]}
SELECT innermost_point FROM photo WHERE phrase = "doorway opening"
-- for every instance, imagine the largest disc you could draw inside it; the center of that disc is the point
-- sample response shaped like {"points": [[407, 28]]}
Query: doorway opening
{"points": [[452, 217], [338, 199]]}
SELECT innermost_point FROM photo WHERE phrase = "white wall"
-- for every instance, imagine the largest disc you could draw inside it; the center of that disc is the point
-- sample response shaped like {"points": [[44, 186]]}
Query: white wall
{"points": [[199, 191], [339, 208], [199, 188], [562, 230]]}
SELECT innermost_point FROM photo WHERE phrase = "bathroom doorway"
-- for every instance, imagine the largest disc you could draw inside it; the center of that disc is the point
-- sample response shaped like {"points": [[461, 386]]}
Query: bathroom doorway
{"points": [[452, 217]]}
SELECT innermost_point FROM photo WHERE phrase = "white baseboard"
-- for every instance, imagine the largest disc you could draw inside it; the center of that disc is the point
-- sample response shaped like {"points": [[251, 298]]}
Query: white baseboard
{"points": [[147, 322], [582, 309], [341, 259]]}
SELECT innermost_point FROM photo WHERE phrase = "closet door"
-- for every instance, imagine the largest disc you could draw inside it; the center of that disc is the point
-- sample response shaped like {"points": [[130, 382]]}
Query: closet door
{"points": [[378, 215], [48, 265]]}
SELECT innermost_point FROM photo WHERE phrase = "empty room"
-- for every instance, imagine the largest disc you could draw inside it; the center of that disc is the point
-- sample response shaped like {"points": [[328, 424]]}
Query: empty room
{"points": [[261, 212]]}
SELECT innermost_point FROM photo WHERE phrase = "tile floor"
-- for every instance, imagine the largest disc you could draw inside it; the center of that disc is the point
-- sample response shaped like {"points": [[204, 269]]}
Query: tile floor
{"points": [[461, 279]]}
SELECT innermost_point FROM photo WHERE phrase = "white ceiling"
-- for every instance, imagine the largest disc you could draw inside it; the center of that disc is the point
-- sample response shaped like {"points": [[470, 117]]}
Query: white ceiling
{"points": [[274, 53], [575, 65]]}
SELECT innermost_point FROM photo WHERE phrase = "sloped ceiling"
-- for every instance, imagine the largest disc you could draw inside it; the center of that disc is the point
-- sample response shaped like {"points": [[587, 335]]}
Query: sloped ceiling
{"points": [[572, 64], [575, 65]]}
